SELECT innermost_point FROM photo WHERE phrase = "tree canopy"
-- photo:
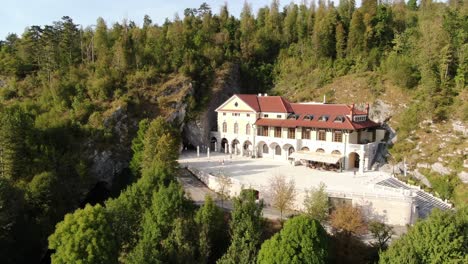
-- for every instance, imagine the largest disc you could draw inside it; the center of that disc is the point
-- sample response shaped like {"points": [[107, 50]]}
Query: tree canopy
{"points": [[442, 238], [302, 240]]}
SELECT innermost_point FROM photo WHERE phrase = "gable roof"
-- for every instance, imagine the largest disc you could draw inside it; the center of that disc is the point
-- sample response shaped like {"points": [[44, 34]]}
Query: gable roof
{"points": [[249, 100], [269, 104], [277, 104]]}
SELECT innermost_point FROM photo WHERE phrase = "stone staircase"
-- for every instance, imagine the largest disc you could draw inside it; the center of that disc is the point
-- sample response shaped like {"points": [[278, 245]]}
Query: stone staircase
{"points": [[425, 202]]}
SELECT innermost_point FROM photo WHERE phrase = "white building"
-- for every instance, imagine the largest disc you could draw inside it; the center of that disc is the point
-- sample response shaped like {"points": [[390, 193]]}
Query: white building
{"points": [[315, 133]]}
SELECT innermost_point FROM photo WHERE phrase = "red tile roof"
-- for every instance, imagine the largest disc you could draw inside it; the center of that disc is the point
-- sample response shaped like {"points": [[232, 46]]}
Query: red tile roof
{"points": [[251, 100], [277, 104], [270, 104]]}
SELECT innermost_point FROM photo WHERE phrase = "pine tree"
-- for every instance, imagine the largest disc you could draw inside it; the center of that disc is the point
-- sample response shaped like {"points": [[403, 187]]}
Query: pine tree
{"points": [[340, 41], [356, 39]]}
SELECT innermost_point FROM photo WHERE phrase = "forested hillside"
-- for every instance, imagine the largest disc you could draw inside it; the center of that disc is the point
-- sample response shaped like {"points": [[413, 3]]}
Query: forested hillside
{"points": [[65, 89]]}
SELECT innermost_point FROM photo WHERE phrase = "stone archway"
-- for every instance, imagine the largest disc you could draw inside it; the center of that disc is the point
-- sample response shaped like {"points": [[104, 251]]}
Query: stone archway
{"points": [[353, 160], [214, 144], [277, 150], [235, 147], [305, 149], [262, 149], [247, 148], [320, 150], [224, 145], [289, 149]]}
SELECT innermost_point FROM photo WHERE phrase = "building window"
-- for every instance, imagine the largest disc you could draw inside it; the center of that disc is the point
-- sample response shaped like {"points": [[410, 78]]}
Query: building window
{"points": [[277, 150], [224, 114], [337, 136], [224, 127], [247, 129], [305, 133], [278, 116], [265, 148], [321, 135], [235, 114], [248, 115], [323, 118], [278, 132], [292, 133], [262, 131], [265, 115], [339, 119], [236, 128], [236, 104]]}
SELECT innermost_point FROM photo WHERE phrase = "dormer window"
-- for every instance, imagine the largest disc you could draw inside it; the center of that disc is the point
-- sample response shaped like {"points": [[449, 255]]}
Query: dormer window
{"points": [[324, 118], [359, 118], [339, 119], [308, 117], [293, 116], [265, 115]]}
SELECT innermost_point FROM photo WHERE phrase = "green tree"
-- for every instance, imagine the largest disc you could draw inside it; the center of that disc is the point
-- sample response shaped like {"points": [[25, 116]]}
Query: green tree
{"points": [[356, 41], [381, 232], [316, 203], [15, 143], [212, 231], [340, 41], [84, 237], [302, 240], [246, 229], [161, 236], [441, 238], [11, 204], [138, 147]]}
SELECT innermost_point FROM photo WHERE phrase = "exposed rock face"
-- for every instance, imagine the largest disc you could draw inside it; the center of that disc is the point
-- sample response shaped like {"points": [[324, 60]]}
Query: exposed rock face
{"points": [[227, 82], [111, 160], [460, 127], [439, 168], [380, 111]]}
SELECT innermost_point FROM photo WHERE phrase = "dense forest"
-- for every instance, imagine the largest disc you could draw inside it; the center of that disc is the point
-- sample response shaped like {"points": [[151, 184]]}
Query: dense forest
{"points": [[60, 83]]}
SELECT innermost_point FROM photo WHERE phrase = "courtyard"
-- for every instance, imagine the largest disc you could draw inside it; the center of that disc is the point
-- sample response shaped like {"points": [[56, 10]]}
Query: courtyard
{"points": [[256, 173]]}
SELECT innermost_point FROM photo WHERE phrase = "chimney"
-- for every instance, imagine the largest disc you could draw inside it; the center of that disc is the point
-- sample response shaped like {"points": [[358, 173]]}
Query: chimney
{"points": [[367, 109], [324, 99], [259, 95], [351, 112]]}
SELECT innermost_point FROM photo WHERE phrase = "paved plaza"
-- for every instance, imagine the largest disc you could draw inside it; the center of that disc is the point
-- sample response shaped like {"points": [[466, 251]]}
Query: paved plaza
{"points": [[256, 173]]}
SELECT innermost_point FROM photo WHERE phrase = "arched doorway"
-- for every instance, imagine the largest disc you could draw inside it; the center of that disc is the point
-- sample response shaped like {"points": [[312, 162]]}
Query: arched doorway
{"points": [[224, 146], [305, 149], [265, 149], [247, 148], [353, 160], [275, 150], [278, 150], [320, 150], [214, 144], [262, 148], [235, 147], [290, 151]]}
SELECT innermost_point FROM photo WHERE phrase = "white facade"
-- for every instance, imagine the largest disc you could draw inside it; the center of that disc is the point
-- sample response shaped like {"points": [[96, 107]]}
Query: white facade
{"points": [[238, 134]]}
